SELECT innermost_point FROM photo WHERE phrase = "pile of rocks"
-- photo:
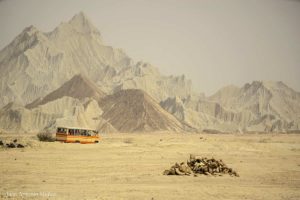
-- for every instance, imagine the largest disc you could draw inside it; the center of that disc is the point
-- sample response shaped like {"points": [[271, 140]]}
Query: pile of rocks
{"points": [[196, 165], [179, 169], [13, 144]]}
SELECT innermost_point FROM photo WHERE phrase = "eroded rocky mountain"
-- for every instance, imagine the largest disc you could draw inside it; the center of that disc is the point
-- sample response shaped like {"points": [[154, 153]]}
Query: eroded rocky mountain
{"points": [[70, 77], [36, 63]]}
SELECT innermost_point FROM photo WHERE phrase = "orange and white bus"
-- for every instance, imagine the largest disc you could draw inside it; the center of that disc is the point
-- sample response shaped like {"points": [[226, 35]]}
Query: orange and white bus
{"points": [[77, 135]]}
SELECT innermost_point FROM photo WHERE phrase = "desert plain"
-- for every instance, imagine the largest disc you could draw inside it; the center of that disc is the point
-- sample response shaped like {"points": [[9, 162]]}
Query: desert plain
{"points": [[130, 166]]}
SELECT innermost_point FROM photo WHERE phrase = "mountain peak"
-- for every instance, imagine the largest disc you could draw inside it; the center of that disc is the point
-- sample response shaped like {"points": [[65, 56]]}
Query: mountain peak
{"points": [[79, 17], [30, 29], [27, 33], [82, 24], [25, 40]]}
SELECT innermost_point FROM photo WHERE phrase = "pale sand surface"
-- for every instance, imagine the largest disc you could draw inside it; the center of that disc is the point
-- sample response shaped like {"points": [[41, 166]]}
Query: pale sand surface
{"points": [[130, 166]]}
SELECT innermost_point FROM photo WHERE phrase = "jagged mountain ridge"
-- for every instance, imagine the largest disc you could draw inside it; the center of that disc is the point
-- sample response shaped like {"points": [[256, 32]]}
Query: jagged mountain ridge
{"points": [[268, 101], [36, 63], [260, 106]]}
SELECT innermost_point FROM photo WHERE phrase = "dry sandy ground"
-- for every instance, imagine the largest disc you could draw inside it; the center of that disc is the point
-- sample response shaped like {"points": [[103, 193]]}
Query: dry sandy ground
{"points": [[130, 166]]}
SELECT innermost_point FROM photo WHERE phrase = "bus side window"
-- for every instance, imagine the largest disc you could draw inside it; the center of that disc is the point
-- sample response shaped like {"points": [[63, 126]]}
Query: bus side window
{"points": [[88, 133], [71, 131]]}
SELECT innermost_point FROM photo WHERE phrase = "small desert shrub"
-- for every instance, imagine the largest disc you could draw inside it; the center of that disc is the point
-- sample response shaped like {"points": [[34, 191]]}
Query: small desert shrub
{"points": [[128, 140], [45, 137]]}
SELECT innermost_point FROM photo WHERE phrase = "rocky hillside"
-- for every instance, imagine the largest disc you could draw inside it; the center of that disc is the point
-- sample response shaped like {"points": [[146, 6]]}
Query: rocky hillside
{"points": [[79, 87], [73, 104], [79, 102], [133, 110], [65, 111]]}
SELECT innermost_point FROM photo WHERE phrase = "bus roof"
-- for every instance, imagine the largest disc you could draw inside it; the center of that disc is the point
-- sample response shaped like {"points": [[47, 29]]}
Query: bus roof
{"points": [[81, 128]]}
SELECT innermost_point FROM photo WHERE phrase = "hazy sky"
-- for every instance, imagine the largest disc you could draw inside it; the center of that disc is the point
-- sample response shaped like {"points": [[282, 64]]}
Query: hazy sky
{"points": [[212, 42]]}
